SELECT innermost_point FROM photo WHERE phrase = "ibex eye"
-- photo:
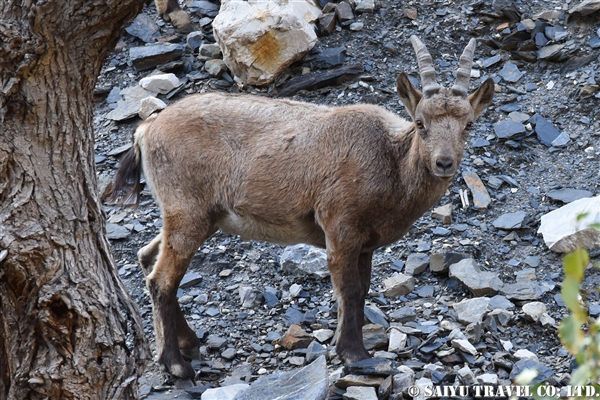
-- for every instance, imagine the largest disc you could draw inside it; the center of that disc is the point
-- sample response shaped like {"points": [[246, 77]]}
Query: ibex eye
{"points": [[469, 125], [419, 124]]}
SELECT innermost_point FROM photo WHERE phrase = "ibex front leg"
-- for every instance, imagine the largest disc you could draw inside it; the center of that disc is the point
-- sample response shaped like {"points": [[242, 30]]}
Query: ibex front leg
{"points": [[349, 269]]}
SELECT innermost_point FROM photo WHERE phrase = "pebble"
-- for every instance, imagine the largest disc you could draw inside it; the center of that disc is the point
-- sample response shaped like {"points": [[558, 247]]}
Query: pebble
{"points": [[148, 57], [416, 264], [480, 283], [210, 50], [510, 220], [508, 129], [357, 26], [359, 380], [398, 285], [472, 310], [314, 351], [374, 336], [194, 40], [511, 73], [568, 195], [360, 393], [481, 197], [443, 213], [215, 67], [160, 83], [116, 232], [149, 106], [294, 338]]}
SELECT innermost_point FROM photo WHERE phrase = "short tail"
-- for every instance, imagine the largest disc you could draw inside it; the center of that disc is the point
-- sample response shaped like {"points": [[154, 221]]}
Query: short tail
{"points": [[127, 185]]}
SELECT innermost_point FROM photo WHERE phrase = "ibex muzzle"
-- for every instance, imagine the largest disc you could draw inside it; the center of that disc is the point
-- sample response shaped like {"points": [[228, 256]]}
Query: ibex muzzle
{"points": [[350, 179]]}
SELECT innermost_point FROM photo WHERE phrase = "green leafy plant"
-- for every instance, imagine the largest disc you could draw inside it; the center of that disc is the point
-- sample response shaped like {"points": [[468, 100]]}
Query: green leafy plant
{"points": [[578, 332]]}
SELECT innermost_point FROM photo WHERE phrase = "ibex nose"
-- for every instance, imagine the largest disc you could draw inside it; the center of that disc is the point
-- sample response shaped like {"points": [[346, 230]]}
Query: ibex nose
{"points": [[444, 163]]}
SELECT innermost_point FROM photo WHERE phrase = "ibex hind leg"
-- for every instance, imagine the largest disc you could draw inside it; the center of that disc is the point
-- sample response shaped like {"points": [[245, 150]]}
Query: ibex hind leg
{"points": [[180, 238]]}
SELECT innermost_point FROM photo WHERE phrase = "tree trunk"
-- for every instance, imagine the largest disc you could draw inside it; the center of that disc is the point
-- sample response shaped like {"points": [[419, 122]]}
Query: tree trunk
{"points": [[68, 328]]}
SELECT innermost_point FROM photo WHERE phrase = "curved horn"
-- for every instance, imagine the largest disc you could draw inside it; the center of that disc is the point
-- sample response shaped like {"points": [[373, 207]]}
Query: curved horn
{"points": [[428, 82], [463, 74]]}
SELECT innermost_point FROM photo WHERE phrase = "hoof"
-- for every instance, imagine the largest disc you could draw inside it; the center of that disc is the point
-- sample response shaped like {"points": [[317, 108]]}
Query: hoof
{"points": [[183, 371]]}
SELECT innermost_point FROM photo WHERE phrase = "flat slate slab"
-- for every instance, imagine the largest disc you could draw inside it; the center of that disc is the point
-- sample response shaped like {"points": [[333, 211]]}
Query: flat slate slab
{"points": [[568, 195]]}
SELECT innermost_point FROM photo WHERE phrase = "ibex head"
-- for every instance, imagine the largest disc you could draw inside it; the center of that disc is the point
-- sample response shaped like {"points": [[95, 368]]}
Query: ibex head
{"points": [[443, 117]]}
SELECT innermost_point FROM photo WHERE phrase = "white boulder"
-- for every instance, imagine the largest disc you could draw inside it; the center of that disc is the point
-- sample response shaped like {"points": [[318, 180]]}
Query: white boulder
{"points": [[562, 231], [161, 83], [259, 39]]}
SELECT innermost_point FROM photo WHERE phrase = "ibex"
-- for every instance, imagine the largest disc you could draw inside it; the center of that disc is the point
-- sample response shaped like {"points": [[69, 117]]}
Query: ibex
{"points": [[350, 179]]}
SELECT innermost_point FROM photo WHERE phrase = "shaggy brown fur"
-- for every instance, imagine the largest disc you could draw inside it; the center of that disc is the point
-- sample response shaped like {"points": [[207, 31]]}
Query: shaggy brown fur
{"points": [[349, 179]]}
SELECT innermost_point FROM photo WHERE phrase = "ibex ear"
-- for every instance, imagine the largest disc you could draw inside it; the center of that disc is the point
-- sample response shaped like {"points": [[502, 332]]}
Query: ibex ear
{"points": [[482, 97], [408, 94]]}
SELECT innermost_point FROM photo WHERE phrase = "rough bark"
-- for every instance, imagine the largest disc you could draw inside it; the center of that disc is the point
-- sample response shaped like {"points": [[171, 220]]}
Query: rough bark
{"points": [[67, 326]]}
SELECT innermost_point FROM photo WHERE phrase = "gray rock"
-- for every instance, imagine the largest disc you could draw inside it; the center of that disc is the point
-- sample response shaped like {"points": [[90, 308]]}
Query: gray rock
{"points": [[144, 28], [403, 314], [363, 6], [307, 383], [518, 116], [525, 290], [215, 342], [374, 336], [358, 380], [585, 7], [357, 26], [472, 310], [149, 106], [204, 8], [510, 220], [481, 197], [228, 354], [465, 346], [303, 259], [549, 51], [116, 232], [488, 379], [509, 129], [360, 393], [323, 335], [416, 264], [343, 12], [330, 57], [440, 262], [544, 372], [250, 297], [594, 42], [376, 316], [403, 380], [535, 309], [226, 392], [510, 108], [160, 83], [398, 285], [563, 232], [466, 375], [397, 340], [568, 195], [326, 23], [488, 62], [148, 57], [215, 68], [524, 354], [373, 366], [194, 40], [314, 351], [423, 384], [190, 279], [510, 73], [271, 297], [501, 302], [210, 50], [545, 130], [561, 140], [532, 261], [480, 283], [114, 95], [443, 213], [130, 104]]}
